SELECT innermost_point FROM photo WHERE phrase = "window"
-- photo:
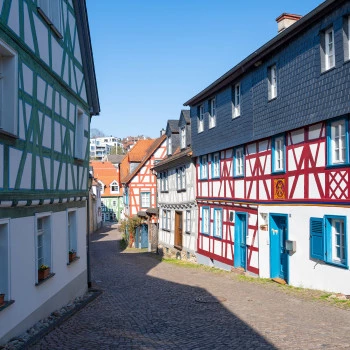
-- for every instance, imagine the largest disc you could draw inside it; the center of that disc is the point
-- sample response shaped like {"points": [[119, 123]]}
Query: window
{"points": [[114, 187], [166, 220], [215, 165], [212, 113], [4, 258], [181, 178], [238, 166], [43, 241], [278, 151], [204, 167], [169, 145], [72, 231], [217, 223], [328, 239], [145, 199], [8, 89], [200, 118], [163, 181], [272, 77], [102, 186], [51, 11], [237, 100], [183, 137], [79, 135], [188, 221], [205, 220], [114, 203], [337, 142], [328, 59]]}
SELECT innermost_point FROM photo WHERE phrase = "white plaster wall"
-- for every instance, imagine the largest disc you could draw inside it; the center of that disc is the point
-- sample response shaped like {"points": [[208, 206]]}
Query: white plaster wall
{"points": [[304, 272], [23, 266]]}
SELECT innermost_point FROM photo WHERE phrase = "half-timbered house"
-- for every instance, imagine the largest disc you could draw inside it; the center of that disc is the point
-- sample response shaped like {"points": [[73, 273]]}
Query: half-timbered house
{"points": [[271, 141], [140, 187], [177, 235], [108, 178], [48, 93]]}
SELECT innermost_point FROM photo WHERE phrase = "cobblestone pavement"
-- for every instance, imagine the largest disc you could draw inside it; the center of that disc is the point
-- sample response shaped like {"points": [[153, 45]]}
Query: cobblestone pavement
{"points": [[151, 305]]}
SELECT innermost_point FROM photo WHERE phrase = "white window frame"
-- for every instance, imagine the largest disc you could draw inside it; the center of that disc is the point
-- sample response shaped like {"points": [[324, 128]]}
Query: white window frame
{"points": [[212, 113], [8, 89], [272, 81], [45, 257], [188, 221], [203, 167], [338, 240], [114, 184], [237, 100], [183, 137], [238, 168], [329, 48], [338, 138], [145, 199], [217, 223], [200, 118], [181, 178], [205, 227], [102, 186], [169, 145], [278, 154], [166, 220], [215, 165]]}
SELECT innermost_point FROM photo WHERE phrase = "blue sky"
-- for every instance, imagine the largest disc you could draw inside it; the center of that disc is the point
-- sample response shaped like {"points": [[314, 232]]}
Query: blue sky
{"points": [[151, 56]]}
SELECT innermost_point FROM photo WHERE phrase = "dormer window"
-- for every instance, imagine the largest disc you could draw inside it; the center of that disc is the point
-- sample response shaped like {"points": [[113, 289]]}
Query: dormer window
{"points": [[183, 137], [169, 145], [114, 187]]}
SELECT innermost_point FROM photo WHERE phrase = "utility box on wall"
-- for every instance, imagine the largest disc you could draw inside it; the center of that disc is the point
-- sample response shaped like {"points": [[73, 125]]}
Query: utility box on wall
{"points": [[291, 246]]}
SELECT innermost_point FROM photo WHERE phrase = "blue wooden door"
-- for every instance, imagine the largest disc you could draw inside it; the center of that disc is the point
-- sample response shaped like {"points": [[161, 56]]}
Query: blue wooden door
{"points": [[240, 248], [137, 237], [278, 252], [144, 236]]}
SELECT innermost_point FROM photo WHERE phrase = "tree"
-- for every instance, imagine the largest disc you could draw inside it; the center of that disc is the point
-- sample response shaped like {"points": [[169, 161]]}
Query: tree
{"points": [[96, 133]]}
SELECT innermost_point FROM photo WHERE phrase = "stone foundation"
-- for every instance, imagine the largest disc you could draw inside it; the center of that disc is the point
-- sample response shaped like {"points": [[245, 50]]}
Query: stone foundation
{"points": [[173, 253]]}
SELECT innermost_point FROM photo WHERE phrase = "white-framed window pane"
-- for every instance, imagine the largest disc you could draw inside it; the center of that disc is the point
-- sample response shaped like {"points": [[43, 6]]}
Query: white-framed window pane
{"points": [[72, 231], [204, 167], [212, 113], [338, 240], [169, 144], [329, 48], [239, 162], [278, 154], [205, 220], [201, 119], [43, 241], [237, 100], [338, 142], [216, 165], [183, 137], [145, 199], [218, 222], [272, 82], [188, 220]]}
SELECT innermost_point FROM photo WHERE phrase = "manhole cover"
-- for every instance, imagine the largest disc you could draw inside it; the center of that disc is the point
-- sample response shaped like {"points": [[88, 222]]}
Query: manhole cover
{"points": [[210, 299]]}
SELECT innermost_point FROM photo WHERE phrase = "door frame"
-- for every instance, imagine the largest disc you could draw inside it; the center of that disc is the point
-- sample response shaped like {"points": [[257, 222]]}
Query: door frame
{"points": [[271, 225], [177, 227], [237, 249]]}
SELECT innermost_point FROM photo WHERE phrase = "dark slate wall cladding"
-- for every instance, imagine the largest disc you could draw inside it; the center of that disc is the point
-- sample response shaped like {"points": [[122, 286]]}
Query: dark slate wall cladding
{"points": [[305, 95]]}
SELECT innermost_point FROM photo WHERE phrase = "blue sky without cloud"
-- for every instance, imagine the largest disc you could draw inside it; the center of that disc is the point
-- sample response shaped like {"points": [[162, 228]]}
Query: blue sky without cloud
{"points": [[151, 56]]}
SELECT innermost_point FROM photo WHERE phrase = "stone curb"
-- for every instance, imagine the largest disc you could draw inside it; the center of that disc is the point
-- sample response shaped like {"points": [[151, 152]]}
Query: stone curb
{"points": [[25, 342]]}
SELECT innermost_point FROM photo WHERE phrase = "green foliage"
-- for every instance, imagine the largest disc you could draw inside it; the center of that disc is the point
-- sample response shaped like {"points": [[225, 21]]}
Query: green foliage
{"points": [[124, 242], [128, 226]]}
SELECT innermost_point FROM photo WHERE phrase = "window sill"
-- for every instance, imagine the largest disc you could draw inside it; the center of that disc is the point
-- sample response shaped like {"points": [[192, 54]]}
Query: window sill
{"points": [[181, 190], [272, 99], [212, 127], [278, 172], [337, 165], [205, 234], [7, 135], [218, 237], [6, 304], [165, 229], [73, 260], [188, 232], [235, 116], [215, 177], [203, 179], [164, 191], [51, 25], [328, 70], [342, 266], [45, 279], [238, 176]]}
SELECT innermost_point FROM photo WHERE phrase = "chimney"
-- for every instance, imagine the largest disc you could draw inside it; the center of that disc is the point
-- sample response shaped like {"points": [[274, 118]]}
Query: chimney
{"points": [[162, 132], [285, 20]]}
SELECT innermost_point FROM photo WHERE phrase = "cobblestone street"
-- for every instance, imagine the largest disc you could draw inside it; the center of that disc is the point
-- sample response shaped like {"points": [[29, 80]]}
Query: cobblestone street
{"points": [[146, 304]]}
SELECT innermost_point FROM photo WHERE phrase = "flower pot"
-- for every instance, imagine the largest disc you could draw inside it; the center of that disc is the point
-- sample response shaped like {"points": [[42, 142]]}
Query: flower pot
{"points": [[72, 256], [42, 274], [2, 299]]}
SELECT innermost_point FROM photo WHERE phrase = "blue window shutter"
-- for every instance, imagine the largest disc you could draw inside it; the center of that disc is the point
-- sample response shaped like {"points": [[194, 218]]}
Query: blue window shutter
{"points": [[317, 246]]}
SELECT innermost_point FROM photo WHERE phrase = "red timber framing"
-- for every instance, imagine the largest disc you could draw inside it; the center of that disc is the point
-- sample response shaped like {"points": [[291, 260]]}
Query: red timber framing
{"points": [[306, 180]]}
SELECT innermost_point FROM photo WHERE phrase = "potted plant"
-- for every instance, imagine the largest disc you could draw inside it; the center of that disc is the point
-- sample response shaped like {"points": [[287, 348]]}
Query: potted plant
{"points": [[72, 255], [43, 272], [2, 299]]}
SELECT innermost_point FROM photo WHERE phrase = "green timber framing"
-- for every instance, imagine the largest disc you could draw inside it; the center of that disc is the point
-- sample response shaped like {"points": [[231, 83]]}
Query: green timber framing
{"points": [[32, 142]]}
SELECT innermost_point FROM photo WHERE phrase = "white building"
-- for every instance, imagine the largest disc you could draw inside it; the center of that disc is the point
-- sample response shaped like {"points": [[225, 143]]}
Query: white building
{"points": [[100, 147]]}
